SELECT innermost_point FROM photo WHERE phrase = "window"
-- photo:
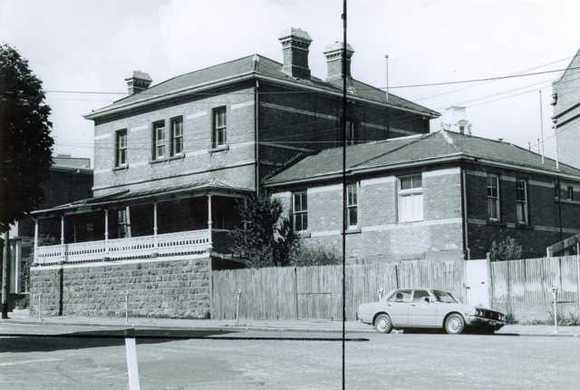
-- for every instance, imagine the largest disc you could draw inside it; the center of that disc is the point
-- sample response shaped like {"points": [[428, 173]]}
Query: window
{"points": [[522, 201], [218, 137], [352, 204], [400, 296], [570, 193], [176, 136], [420, 295], [410, 198], [493, 197], [299, 211], [159, 140], [123, 223], [351, 132], [121, 148]]}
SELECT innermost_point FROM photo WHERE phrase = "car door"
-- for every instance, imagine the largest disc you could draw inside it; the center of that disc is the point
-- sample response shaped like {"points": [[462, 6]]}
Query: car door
{"points": [[397, 305], [423, 312]]}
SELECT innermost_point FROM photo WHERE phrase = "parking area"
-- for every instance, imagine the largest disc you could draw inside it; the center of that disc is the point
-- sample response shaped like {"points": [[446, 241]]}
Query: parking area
{"points": [[95, 359]]}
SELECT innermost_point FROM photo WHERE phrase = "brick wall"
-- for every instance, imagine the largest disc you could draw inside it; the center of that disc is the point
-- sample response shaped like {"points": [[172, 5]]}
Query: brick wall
{"points": [[179, 289], [543, 228], [235, 166], [379, 235]]}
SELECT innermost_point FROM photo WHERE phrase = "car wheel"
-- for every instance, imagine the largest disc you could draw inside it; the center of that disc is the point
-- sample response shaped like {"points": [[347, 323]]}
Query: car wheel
{"points": [[454, 324], [383, 323]]}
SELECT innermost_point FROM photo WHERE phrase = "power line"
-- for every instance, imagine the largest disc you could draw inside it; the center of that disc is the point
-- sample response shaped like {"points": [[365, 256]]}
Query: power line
{"points": [[476, 80]]}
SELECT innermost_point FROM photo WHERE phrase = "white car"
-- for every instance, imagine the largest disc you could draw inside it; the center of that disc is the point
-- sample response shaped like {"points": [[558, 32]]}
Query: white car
{"points": [[427, 308]]}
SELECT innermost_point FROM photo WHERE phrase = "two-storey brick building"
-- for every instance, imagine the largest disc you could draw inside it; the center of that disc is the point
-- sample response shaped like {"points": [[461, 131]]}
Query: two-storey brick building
{"points": [[442, 195], [173, 159], [566, 115]]}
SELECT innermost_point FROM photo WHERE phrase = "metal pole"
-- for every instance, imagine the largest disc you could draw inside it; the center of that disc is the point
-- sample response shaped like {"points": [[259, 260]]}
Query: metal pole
{"points": [[578, 271], [5, 275], [127, 308], [344, 200], [555, 296], [541, 150], [39, 307], [387, 76]]}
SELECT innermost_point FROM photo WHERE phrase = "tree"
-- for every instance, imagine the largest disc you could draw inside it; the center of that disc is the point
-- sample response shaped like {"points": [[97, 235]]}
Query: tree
{"points": [[25, 140], [507, 249], [266, 237], [25, 146]]}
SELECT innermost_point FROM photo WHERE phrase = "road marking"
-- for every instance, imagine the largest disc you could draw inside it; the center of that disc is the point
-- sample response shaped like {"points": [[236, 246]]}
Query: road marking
{"points": [[29, 362]]}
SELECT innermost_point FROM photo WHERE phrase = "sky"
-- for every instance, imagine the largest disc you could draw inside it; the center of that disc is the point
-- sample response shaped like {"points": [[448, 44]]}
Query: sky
{"points": [[93, 45]]}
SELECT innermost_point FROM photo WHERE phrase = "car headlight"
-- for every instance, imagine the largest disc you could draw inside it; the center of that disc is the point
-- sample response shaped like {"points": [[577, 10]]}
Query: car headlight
{"points": [[479, 313]]}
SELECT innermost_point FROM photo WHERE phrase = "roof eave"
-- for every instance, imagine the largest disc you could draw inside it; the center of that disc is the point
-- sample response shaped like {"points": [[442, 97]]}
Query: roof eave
{"points": [[382, 168], [177, 93]]}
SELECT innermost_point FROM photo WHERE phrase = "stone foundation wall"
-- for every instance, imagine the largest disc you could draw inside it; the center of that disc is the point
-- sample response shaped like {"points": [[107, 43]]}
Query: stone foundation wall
{"points": [[171, 289]]}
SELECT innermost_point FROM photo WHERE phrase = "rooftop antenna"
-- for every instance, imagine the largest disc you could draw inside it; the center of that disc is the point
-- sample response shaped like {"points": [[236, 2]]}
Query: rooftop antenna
{"points": [[387, 76], [541, 146]]}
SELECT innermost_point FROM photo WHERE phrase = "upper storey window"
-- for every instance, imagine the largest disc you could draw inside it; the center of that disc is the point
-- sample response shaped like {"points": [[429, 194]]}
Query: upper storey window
{"points": [[493, 197], [121, 148], [159, 140], [219, 127], [176, 136]]}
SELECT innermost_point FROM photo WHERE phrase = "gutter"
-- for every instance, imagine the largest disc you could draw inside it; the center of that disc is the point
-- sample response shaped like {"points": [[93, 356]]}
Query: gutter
{"points": [[448, 158]]}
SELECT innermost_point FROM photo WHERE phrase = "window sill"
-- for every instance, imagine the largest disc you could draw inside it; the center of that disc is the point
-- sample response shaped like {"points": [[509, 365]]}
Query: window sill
{"points": [[121, 167], [353, 230], [409, 222], [165, 159], [304, 234], [496, 222], [220, 148]]}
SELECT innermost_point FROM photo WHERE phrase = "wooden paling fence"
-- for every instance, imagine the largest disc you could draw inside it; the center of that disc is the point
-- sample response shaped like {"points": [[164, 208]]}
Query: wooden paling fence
{"points": [[524, 287], [316, 292]]}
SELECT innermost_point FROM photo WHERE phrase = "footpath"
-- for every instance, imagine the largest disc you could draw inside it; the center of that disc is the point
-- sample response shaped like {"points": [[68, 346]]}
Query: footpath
{"points": [[23, 317]]}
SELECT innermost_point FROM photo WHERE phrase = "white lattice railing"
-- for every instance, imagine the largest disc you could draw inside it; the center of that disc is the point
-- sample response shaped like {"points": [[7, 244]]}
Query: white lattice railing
{"points": [[170, 244]]}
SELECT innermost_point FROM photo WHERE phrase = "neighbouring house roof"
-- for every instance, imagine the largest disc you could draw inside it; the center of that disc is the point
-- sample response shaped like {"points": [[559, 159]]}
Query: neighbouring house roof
{"points": [[440, 146], [123, 196], [252, 66]]}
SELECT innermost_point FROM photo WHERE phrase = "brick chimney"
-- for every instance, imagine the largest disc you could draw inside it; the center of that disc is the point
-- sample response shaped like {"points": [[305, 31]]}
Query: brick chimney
{"points": [[295, 44], [333, 55], [139, 81]]}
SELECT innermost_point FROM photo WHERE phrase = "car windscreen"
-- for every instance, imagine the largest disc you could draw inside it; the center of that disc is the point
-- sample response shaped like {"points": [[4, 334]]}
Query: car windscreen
{"points": [[444, 296]]}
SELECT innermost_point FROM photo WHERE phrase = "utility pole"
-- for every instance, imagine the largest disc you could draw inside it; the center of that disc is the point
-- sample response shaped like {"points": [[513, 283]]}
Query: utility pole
{"points": [[5, 275], [344, 200], [541, 128]]}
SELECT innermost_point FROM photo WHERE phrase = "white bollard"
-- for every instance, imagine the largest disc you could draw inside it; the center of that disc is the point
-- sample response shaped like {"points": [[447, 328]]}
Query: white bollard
{"points": [[132, 364]]}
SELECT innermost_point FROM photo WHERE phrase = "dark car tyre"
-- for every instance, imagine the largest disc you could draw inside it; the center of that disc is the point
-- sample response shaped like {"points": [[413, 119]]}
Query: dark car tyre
{"points": [[454, 324], [383, 323]]}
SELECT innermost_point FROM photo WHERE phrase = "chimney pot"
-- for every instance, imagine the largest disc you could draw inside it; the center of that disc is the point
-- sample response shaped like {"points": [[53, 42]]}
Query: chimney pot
{"points": [[139, 81], [295, 44]]}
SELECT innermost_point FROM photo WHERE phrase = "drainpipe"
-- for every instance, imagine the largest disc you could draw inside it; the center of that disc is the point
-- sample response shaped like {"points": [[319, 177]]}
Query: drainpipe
{"points": [[560, 208], [257, 135], [466, 251]]}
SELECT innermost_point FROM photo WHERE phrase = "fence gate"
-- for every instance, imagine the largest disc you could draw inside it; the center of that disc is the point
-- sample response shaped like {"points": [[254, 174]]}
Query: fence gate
{"points": [[477, 282]]}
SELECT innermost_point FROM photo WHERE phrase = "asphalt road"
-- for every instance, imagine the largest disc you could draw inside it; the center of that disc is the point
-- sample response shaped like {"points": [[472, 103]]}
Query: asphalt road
{"points": [[94, 358]]}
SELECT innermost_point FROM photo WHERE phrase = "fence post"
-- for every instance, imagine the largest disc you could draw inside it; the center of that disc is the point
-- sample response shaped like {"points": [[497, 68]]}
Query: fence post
{"points": [[397, 276], [296, 292], [238, 294], [555, 297], [127, 308], [39, 308]]}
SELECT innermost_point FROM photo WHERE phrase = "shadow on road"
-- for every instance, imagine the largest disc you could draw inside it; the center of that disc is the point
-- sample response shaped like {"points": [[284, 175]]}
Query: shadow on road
{"points": [[21, 342], [14, 342]]}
